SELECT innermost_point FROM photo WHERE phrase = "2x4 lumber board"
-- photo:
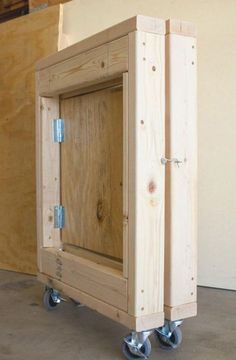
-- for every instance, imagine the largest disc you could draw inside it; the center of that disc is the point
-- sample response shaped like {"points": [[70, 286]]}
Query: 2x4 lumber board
{"points": [[135, 323], [102, 282], [181, 179], [180, 312], [91, 67], [180, 27], [40, 34], [138, 324], [90, 255], [125, 174], [146, 173], [48, 174], [139, 22]]}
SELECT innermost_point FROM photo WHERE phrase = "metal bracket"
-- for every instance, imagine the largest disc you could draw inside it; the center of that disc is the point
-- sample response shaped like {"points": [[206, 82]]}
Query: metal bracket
{"points": [[168, 327], [59, 217], [136, 341], [58, 130]]}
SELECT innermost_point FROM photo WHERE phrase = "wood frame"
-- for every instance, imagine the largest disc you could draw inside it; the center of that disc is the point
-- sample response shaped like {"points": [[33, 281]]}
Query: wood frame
{"points": [[181, 180], [133, 51]]}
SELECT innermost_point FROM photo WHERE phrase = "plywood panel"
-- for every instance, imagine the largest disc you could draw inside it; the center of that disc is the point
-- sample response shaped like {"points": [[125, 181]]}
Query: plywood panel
{"points": [[23, 41], [91, 171]]}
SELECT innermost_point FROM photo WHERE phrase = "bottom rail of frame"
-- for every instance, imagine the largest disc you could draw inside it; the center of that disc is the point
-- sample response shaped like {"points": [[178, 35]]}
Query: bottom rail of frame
{"points": [[140, 323]]}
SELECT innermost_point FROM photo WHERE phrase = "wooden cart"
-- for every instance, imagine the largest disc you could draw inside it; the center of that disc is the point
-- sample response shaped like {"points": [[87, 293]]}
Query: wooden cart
{"points": [[116, 125]]}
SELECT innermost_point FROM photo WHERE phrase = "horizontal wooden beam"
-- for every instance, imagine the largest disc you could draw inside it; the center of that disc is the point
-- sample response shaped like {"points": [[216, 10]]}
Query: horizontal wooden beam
{"points": [[180, 312], [135, 323], [139, 22], [94, 66], [97, 280]]}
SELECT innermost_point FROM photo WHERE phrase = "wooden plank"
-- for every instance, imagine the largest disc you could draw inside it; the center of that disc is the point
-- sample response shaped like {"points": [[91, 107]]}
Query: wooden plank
{"points": [[97, 280], [90, 255], [39, 33], [181, 311], [146, 174], [181, 179], [125, 174], [96, 65], [35, 5], [138, 324], [180, 27], [91, 171], [139, 22], [48, 173]]}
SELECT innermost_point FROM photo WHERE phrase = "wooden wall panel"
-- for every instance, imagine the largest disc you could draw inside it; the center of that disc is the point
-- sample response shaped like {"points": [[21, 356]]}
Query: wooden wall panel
{"points": [[23, 41], [91, 171]]}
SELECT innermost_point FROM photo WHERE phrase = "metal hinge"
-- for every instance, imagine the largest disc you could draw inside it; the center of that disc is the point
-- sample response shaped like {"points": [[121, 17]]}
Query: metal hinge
{"points": [[58, 130], [59, 217]]}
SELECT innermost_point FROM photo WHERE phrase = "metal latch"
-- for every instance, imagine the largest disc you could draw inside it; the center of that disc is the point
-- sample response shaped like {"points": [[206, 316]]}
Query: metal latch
{"points": [[59, 217], [58, 130]]}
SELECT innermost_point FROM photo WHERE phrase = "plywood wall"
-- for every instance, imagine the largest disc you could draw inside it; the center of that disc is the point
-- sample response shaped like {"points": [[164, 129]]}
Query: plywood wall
{"points": [[22, 42], [216, 25]]}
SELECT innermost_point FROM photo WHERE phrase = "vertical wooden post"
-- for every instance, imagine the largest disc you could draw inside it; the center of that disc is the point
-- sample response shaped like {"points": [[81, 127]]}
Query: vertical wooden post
{"points": [[181, 178], [146, 173], [48, 172]]}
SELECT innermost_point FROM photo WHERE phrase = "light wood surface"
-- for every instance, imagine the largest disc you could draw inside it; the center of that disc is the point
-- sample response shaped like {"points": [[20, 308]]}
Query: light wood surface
{"points": [[91, 67], [102, 282], [120, 316], [23, 41], [48, 173], [90, 255], [40, 4], [91, 171], [125, 174], [181, 179], [146, 174], [180, 27], [139, 22], [181, 311]]}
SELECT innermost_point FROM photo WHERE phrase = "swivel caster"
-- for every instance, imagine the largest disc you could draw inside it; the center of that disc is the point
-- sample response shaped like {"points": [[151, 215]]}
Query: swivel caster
{"points": [[169, 335], [137, 346], [51, 298]]}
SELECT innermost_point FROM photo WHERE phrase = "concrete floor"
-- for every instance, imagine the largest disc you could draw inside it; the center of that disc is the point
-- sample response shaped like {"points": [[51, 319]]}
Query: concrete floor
{"points": [[28, 332]]}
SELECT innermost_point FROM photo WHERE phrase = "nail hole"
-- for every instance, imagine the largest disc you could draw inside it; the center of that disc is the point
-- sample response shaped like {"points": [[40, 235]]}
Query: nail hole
{"points": [[102, 64], [154, 68], [192, 62], [142, 308], [142, 122], [144, 59], [144, 43]]}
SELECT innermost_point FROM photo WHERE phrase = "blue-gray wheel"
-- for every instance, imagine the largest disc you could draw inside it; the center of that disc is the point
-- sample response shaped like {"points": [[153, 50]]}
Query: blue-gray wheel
{"points": [[145, 350], [48, 301], [172, 342]]}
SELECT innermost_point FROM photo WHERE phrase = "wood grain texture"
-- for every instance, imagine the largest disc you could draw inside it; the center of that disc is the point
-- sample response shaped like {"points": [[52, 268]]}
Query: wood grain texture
{"points": [[131, 322], [91, 171], [146, 174], [179, 27], [139, 22], [48, 173], [91, 67], [181, 179], [102, 282], [39, 4], [23, 41]]}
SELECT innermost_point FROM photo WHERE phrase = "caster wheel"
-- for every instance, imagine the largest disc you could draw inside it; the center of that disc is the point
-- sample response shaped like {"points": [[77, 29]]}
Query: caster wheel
{"points": [[130, 355], [48, 301], [172, 342]]}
